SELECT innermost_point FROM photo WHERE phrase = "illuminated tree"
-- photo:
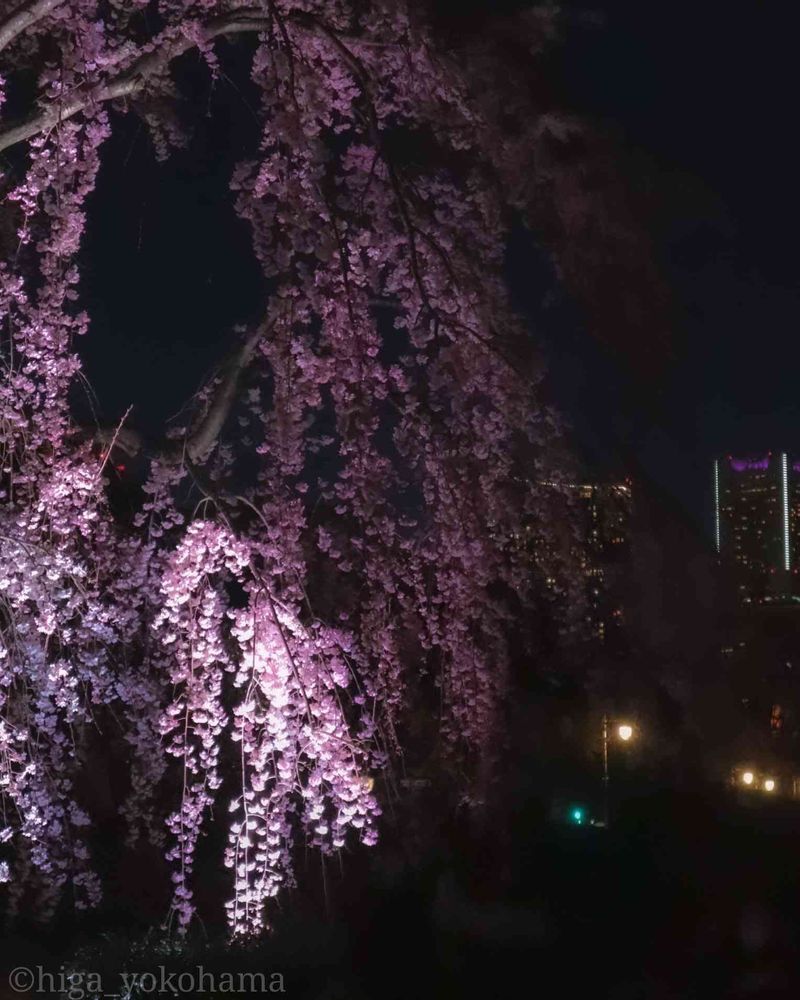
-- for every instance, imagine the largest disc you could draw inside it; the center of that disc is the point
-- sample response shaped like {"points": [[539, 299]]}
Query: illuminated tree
{"points": [[337, 521]]}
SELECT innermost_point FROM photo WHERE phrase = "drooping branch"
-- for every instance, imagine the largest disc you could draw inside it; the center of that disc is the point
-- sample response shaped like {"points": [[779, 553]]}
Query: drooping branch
{"points": [[24, 17], [309, 22], [133, 79], [390, 474]]}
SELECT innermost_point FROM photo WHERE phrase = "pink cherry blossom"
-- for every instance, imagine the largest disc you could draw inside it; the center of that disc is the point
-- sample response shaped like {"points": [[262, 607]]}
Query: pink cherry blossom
{"points": [[368, 560]]}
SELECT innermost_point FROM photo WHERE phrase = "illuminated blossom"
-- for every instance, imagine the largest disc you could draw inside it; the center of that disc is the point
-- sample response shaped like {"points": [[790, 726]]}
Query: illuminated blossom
{"points": [[283, 591]]}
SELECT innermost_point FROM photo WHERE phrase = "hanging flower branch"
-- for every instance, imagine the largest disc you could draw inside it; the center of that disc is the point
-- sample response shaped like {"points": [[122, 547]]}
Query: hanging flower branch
{"points": [[282, 592]]}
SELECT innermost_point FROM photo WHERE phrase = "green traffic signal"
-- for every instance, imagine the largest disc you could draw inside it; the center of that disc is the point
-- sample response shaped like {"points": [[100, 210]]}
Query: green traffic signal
{"points": [[577, 815]]}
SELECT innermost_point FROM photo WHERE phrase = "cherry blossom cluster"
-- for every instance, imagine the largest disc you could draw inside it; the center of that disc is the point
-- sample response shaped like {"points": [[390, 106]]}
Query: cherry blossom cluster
{"points": [[303, 763], [57, 625], [291, 593]]}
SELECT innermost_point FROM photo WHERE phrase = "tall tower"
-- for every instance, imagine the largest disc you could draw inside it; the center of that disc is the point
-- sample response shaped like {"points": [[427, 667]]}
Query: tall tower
{"points": [[754, 528]]}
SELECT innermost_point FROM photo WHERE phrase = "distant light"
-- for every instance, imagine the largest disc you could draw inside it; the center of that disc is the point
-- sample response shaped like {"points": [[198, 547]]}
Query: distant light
{"points": [[748, 777], [625, 732], [785, 495], [750, 464], [769, 785], [577, 815]]}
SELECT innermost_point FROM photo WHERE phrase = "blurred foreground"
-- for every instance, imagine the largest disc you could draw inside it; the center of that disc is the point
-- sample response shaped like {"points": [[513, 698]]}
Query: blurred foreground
{"points": [[688, 894]]}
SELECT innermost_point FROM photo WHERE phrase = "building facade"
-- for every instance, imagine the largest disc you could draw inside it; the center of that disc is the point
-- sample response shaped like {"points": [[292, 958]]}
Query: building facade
{"points": [[600, 551], [757, 526], [605, 553]]}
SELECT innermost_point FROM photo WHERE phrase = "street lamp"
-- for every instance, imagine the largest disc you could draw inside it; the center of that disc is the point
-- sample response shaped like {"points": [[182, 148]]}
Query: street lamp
{"points": [[748, 778], [625, 733], [769, 785]]}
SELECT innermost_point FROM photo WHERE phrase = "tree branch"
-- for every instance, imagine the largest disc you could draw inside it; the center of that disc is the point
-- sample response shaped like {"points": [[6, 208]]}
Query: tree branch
{"points": [[131, 80], [124, 438], [23, 17], [203, 436]]}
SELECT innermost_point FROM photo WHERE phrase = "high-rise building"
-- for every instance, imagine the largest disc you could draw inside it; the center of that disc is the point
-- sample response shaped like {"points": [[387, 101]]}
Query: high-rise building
{"points": [[757, 525], [600, 549], [605, 553]]}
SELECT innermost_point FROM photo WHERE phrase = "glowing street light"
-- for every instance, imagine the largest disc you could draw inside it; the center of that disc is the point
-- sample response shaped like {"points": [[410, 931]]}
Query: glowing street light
{"points": [[756, 780], [624, 732]]}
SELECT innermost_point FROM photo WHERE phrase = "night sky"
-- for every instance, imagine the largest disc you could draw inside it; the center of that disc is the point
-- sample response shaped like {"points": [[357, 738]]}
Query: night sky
{"points": [[168, 267], [700, 101], [702, 98]]}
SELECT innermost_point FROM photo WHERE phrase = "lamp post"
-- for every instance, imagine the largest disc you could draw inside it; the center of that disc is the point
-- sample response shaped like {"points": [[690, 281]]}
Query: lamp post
{"points": [[624, 732]]}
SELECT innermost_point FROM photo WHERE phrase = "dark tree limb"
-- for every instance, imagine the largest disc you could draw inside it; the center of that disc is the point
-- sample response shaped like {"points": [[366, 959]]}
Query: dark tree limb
{"points": [[124, 438], [24, 17], [203, 436], [133, 79]]}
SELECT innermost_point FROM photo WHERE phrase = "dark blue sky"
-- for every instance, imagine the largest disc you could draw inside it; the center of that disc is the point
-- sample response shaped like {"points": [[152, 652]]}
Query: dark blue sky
{"points": [[168, 267], [701, 96]]}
